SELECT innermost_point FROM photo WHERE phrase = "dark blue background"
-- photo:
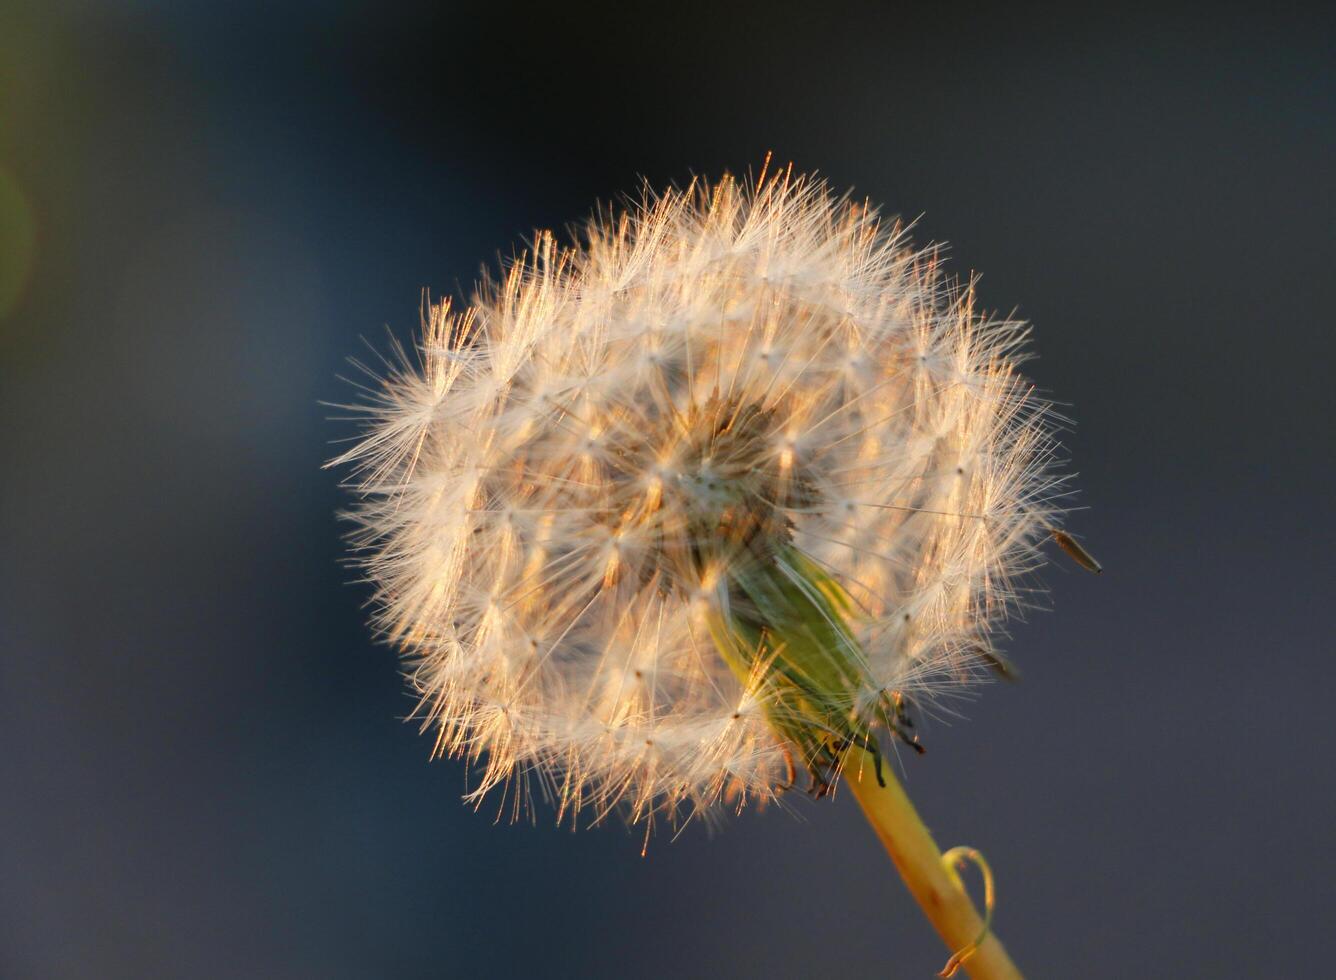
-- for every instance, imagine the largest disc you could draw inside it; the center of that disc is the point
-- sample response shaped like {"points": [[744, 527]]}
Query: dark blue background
{"points": [[202, 770]]}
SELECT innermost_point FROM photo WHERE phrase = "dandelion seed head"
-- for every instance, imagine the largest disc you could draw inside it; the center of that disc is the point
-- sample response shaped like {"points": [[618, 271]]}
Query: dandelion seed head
{"points": [[557, 493]]}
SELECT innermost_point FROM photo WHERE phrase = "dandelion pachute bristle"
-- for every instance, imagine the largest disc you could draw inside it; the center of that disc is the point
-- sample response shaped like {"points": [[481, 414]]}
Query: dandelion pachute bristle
{"points": [[722, 488]]}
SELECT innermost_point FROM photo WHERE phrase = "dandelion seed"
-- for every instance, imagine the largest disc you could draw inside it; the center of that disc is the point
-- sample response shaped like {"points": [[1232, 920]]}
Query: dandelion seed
{"points": [[726, 486]]}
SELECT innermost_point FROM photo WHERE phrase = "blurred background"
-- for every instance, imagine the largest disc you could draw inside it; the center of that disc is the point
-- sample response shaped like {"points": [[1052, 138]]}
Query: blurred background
{"points": [[205, 207]]}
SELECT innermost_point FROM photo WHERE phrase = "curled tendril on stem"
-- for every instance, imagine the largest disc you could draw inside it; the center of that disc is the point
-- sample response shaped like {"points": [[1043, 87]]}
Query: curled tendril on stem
{"points": [[953, 860]]}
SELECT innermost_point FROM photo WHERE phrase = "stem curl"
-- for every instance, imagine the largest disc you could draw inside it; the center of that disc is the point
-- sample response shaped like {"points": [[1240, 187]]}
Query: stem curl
{"points": [[952, 860]]}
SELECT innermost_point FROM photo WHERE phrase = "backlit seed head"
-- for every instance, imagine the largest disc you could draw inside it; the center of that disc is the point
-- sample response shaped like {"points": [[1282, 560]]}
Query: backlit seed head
{"points": [[581, 473]]}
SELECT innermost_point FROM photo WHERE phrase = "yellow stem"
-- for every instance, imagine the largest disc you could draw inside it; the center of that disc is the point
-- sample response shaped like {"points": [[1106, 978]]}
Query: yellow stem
{"points": [[931, 880]]}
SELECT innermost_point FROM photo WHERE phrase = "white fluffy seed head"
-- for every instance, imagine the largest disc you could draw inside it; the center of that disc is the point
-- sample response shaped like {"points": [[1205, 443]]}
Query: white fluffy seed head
{"points": [[554, 493]]}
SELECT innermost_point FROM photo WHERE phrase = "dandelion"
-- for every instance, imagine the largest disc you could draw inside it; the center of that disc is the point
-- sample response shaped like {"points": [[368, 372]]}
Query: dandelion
{"points": [[717, 501]]}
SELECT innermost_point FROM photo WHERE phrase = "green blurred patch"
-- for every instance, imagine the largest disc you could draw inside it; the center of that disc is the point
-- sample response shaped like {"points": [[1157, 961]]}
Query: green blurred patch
{"points": [[18, 238]]}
